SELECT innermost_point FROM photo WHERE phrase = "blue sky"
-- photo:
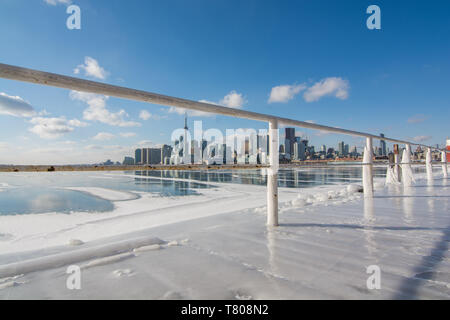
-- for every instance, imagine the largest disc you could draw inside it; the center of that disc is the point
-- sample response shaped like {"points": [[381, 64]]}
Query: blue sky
{"points": [[306, 60]]}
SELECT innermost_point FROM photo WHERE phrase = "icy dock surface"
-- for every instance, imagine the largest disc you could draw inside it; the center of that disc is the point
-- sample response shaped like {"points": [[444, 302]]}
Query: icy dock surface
{"points": [[320, 251]]}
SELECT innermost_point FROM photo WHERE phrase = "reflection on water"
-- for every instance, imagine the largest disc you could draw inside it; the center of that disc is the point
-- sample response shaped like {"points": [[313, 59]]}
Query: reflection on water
{"points": [[369, 233], [408, 204], [42, 200], [165, 187], [290, 178], [368, 210], [430, 200]]}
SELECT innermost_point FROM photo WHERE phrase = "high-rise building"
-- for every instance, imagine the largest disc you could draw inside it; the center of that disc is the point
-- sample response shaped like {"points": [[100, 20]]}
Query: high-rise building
{"points": [[288, 150], [296, 149], [145, 156], [382, 145], [341, 148], [154, 155], [138, 156], [300, 147], [263, 143], [128, 161], [289, 141], [166, 152], [289, 133]]}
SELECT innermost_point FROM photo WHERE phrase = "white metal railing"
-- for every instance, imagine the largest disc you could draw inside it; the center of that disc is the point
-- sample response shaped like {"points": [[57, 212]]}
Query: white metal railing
{"points": [[66, 82]]}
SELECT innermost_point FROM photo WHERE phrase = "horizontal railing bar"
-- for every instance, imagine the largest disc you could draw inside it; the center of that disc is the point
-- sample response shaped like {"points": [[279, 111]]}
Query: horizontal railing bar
{"points": [[66, 82]]}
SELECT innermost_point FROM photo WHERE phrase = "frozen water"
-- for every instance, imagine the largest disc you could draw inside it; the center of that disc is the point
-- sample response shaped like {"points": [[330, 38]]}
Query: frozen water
{"points": [[328, 236]]}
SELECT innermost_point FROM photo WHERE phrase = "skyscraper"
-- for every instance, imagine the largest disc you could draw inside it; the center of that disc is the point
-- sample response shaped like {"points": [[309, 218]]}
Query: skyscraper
{"points": [[128, 161], [289, 133], [144, 156], [341, 148], [289, 141], [166, 152], [382, 146], [138, 156], [154, 155]]}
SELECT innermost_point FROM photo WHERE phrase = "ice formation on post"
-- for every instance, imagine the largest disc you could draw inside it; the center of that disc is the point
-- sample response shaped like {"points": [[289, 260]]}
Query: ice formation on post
{"points": [[444, 164], [367, 173], [407, 174], [391, 175], [428, 165]]}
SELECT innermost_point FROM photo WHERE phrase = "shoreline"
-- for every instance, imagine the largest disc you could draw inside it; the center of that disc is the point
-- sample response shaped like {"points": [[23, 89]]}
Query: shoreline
{"points": [[54, 168]]}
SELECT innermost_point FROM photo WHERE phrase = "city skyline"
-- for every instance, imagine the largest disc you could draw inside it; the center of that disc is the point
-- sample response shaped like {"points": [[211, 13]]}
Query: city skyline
{"points": [[249, 148]]}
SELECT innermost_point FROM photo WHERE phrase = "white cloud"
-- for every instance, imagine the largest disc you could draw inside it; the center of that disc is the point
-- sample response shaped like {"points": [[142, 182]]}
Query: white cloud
{"points": [[77, 123], [192, 113], [422, 138], [97, 110], [43, 113], [332, 86], [91, 68], [145, 115], [50, 128], [55, 2], [103, 136], [231, 100], [145, 143], [418, 118], [93, 147], [127, 134], [69, 142], [284, 93], [57, 152], [15, 106]]}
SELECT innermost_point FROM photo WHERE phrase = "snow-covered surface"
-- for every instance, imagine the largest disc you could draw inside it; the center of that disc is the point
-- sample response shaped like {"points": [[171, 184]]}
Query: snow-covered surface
{"points": [[215, 245]]}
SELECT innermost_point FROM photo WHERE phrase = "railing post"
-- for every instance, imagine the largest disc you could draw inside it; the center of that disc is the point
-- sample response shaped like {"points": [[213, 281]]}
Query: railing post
{"points": [[397, 163], [368, 169], [428, 164], [272, 176], [444, 164]]}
